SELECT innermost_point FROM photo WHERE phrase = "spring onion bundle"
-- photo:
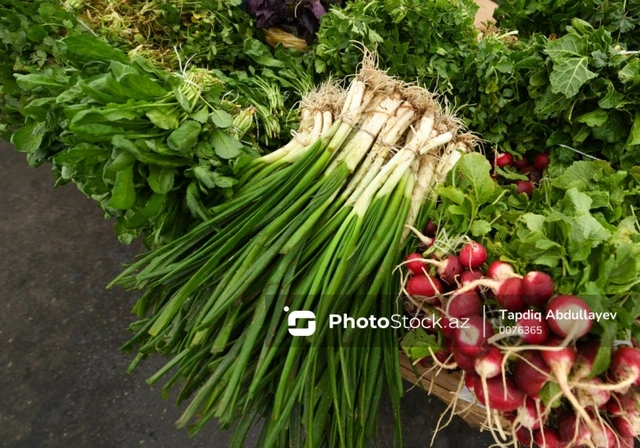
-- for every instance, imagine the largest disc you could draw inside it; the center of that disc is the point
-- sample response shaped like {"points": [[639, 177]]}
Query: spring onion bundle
{"points": [[317, 225]]}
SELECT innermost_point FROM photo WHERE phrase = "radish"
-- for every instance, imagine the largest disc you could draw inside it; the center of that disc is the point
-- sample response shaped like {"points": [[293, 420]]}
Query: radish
{"points": [[489, 364], [464, 305], [561, 362], [464, 362], [587, 352], [524, 436], [625, 426], [447, 329], [548, 438], [569, 316], [470, 339], [533, 331], [469, 380], [529, 413], [593, 396], [499, 270], [533, 173], [524, 186], [542, 161], [425, 288], [603, 437], [508, 292], [625, 365], [537, 288], [414, 263], [499, 398], [504, 159], [520, 163], [469, 276], [622, 404], [570, 430], [448, 269], [473, 255], [430, 229], [531, 373]]}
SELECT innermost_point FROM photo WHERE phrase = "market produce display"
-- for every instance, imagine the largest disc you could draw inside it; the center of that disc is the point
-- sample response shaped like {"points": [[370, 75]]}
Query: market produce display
{"points": [[400, 163]]}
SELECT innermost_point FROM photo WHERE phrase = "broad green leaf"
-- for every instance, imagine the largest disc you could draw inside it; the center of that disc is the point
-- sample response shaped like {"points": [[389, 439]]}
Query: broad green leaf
{"points": [[634, 136], [35, 80], [144, 85], [418, 344], [603, 357], [550, 390], [185, 137], [451, 193], [594, 118], [164, 118], [579, 175], [534, 222], [568, 46], [182, 100], [123, 195], [160, 179], [480, 227], [27, 139], [476, 171], [86, 48], [225, 146], [568, 76], [223, 181], [576, 202], [201, 115], [221, 118], [612, 97]]}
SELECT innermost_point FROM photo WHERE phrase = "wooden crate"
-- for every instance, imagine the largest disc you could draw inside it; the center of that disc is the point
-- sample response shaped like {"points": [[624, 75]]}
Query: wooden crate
{"points": [[446, 386]]}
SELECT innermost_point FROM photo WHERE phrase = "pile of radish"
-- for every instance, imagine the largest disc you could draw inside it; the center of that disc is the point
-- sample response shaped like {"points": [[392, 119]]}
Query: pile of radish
{"points": [[526, 353], [533, 170]]}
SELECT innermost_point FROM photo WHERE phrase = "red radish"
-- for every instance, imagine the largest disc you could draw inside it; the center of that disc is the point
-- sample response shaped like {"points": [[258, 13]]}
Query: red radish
{"points": [[548, 438], [592, 397], [469, 379], [524, 186], [532, 173], [531, 373], [529, 413], [468, 276], [473, 255], [570, 316], [464, 305], [542, 161], [447, 329], [520, 163], [465, 362], [627, 425], [537, 288], [504, 159], [587, 352], [533, 331], [571, 431], [508, 292], [430, 229], [625, 365], [414, 264], [621, 404], [499, 398], [626, 442], [449, 268], [489, 364], [499, 270], [524, 436], [471, 338], [425, 288], [561, 362], [603, 437]]}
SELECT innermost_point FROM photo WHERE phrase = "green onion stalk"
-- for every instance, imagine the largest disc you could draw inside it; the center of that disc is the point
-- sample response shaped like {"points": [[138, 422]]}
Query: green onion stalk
{"points": [[317, 225]]}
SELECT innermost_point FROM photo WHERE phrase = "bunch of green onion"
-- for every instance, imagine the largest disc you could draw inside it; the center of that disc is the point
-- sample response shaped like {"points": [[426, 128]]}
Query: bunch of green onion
{"points": [[317, 225]]}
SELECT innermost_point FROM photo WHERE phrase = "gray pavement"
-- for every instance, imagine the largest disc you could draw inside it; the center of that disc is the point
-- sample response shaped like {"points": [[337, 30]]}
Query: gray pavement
{"points": [[63, 381]]}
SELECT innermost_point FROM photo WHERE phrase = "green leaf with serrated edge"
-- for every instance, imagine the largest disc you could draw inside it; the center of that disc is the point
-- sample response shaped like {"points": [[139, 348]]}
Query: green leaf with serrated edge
{"points": [[476, 170], [164, 118], [569, 76], [480, 227], [416, 344], [123, 195], [201, 115]]}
